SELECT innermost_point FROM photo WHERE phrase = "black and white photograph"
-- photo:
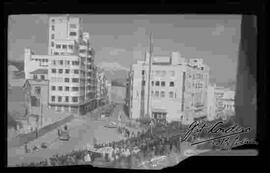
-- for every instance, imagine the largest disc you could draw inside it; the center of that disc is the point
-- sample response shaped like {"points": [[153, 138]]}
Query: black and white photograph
{"points": [[129, 91]]}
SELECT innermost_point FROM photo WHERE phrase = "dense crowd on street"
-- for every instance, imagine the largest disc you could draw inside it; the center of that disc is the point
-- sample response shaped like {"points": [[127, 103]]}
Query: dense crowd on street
{"points": [[162, 139], [131, 151]]}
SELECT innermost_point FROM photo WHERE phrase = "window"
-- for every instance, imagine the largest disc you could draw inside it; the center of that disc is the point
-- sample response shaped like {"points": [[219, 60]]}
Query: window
{"points": [[162, 94], [70, 47], [75, 63], [67, 62], [58, 46], [35, 76], [53, 98], [53, 20], [171, 94], [52, 36], [142, 72], [157, 83], [152, 93], [143, 82], [171, 84], [163, 83], [64, 46], [74, 26], [67, 99], [52, 27], [72, 34], [67, 88], [76, 80], [52, 43], [67, 71], [75, 99], [156, 94], [152, 83], [59, 99], [60, 88], [61, 62], [42, 77], [76, 71], [53, 88], [53, 70], [56, 53], [60, 71], [37, 90], [66, 79]]}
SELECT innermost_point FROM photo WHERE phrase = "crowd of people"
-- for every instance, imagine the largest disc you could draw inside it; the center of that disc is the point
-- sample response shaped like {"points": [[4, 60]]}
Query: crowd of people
{"points": [[161, 139], [125, 153]]}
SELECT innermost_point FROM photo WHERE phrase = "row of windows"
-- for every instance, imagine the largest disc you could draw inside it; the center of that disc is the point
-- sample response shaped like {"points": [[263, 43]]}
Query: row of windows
{"points": [[42, 77], [196, 76], [162, 94], [67, 71], [67, 62], [63, 46], [159, 83], [61, 88], [40, 60], [65, 98], [161, 73], [60, 79]]}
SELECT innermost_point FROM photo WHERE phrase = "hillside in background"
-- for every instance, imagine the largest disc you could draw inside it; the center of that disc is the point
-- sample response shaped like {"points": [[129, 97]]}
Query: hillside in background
{"points": [[18, 64], [119, 82]]}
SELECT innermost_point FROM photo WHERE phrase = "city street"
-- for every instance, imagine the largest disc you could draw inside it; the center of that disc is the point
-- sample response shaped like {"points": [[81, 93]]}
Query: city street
{"points": [[82, 130]]}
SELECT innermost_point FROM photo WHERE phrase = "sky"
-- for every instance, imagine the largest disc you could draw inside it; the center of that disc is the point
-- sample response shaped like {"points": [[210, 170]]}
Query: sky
{"points": [[121, 40]]}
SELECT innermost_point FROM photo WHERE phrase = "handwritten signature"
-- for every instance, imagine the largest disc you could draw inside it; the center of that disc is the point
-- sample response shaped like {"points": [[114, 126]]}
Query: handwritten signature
{"points": [[227, 137]]}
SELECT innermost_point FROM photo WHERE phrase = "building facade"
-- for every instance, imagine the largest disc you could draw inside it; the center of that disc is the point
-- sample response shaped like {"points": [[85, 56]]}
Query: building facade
{"points": [[220, 102], [70, 66], [178, 89]]}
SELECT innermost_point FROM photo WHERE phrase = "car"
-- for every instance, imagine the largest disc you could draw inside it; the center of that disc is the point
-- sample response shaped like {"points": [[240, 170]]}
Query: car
{"points": [[111, 125], [44, 145]]}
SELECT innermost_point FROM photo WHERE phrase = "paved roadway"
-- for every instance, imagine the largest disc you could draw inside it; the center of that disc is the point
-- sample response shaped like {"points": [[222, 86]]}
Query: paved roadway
{"points": [[82, 131]]}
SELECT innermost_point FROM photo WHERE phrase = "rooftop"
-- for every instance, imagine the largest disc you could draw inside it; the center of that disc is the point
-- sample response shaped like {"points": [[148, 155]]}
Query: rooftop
{"points": [[40, 71]]}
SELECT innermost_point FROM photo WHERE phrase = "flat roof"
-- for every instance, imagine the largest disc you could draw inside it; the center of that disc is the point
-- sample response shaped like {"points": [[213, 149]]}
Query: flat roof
{"points": [[40, 71]]}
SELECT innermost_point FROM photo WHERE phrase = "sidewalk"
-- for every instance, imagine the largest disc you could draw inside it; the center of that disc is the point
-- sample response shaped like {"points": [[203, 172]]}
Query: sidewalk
{"points": [[25, 138]]}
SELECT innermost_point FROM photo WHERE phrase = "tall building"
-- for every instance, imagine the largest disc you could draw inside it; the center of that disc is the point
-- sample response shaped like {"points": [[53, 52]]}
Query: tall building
{"points": [[220, 102], [69, 64], [196, 84], [103, 88], [178, 88], [170, 97]]}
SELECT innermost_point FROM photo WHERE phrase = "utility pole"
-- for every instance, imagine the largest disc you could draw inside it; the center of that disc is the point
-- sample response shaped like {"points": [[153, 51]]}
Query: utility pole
{"points": [[149, 76]]}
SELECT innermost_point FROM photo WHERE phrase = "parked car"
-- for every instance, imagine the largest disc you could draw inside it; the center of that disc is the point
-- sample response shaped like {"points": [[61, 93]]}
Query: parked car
{"points": [[44, 145]]}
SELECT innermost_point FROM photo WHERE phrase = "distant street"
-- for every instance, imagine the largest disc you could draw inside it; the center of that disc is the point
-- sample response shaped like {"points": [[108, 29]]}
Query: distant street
{"points": [[82, 131]]}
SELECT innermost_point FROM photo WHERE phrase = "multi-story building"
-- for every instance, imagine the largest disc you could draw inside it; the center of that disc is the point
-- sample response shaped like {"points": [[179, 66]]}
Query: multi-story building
{"points": [[178, 89], [211, 103], [108, 85], [101, 87], [70, 66], [220, 102], [196, 84]]}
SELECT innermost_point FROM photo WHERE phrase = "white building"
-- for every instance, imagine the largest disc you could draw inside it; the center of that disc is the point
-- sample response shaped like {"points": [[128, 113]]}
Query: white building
{"points": [[220, 102], [70, 65], [168, 86], [211, 103]]}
